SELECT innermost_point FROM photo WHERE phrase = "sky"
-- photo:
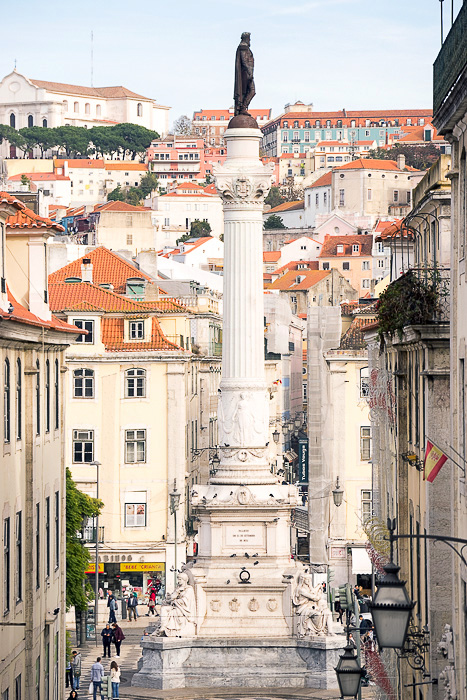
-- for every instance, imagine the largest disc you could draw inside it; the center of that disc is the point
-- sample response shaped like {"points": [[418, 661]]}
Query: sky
{"points": [[334, 54]]}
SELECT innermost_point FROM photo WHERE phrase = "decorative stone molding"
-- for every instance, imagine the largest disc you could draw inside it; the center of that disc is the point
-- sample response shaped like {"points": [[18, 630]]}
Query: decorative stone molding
{"points": [[215, 605], [253, 605], [243, 183], [272, 604], [234, 605]]}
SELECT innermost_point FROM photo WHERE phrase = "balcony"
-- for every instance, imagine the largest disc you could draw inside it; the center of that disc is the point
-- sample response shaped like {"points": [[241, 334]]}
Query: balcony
{"points": [[451, 61], [215, 349], [88, 534]]}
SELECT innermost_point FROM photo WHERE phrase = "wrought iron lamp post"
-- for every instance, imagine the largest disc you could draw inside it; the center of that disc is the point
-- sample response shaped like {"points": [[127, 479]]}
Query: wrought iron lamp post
{"points": [[349, 673], [174, 506]]}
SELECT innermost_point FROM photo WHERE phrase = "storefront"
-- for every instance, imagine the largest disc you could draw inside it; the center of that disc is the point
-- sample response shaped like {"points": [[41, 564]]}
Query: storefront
{"points": [[118, 576]]}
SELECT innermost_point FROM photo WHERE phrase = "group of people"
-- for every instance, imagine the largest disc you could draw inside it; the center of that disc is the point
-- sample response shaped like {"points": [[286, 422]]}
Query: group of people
{"points": [[112, 635], [97, 676]]}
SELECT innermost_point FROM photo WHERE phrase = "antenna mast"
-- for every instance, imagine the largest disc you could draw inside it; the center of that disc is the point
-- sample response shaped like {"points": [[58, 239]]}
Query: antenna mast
{"points": [[92, 59]]}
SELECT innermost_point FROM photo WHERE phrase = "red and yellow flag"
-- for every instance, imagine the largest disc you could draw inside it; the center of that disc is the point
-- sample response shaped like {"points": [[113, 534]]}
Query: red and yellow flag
{"points": [[434, 460]]}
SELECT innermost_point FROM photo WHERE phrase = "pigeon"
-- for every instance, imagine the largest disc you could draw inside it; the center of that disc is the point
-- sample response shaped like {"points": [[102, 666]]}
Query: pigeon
{"points": [[255, 562], [286, 576], [272, 495], [247, 555], [275, 520], [194, 493], [233, 555], [228, 580], [231, 493], [194, 561], [215, 496], [255, 555], [226, 445], [243, 568]]}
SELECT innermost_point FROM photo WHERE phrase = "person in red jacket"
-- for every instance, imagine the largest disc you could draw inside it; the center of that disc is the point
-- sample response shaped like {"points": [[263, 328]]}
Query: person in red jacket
{"points": [[118, 638]]}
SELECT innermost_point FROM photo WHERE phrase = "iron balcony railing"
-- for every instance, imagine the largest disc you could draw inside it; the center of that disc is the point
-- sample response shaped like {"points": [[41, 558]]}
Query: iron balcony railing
{"points": [[89, 534], [451, 60], [437, 279]]}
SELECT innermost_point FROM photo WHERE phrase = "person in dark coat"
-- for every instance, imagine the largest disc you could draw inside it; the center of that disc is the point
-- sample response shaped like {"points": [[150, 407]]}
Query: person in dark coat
{"points": [[107, 634], [118, 638]]}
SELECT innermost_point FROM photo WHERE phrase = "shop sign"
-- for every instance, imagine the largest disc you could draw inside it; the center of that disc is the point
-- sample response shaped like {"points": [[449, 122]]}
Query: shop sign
{"points": [[303, 461], [92, 568], [143, 566]]}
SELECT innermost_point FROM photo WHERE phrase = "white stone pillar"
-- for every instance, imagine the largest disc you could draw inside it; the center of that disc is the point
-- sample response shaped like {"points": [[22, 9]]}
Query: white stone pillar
{"points": [[243, 414]]}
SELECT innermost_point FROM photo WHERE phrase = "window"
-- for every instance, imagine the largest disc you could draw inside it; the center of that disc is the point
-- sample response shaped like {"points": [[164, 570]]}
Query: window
{"points": [[135, 446], [83, 446], [12, 120], [83, 384], [352, 123], [37, 693], [135, 514], [98, 110], [6, 401], [38, 545], [396, 195], [346, 266], [76, 107], [285, 136], [139, 109], [19, 557], [47, 396], [380, 247], [364, 382], [366, 284], [30, 120], [57, 529], [317, 199], [38, 399], [325, 266], [367, 502], [47, 537], [296, 136], [87, 108], [57, 395], [340, 249], [18, 685], [366, 265], [6, 565], [307, 136], [380, 263], [6, 694], [408, 196], [135, 383], [356, 248], [136, 330], [325, 198], [409, 122], [86, 326], [369, 195], [365, 443], [341, 198]]}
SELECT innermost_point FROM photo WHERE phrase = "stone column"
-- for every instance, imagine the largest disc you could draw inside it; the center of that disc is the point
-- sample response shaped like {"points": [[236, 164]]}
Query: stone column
{"points": [[243, 414]]}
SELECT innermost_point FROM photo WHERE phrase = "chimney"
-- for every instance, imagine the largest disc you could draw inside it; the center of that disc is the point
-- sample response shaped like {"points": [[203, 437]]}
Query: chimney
{"points": [[86, 270], [401, 161], [65, 168]]}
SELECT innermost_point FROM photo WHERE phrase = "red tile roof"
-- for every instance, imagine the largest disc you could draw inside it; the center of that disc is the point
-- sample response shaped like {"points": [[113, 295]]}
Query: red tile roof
{"points": [[21, 314], [330, 244], [323, 181], [293, 265], [108, 268], [119, 206], [6, 198], [417, 133], [289, 280], [287, 206], [271, 255], [26, 218], [208, 113], [381, 225], [113, 337], [119, 165], [114, 91], [372, 164], [79, 162], [38, 176], [83, 296], [353, 338]]}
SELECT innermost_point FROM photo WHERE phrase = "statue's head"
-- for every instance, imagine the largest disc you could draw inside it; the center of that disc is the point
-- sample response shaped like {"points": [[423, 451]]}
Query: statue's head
{"points": [[246, 38], [182, 579]]}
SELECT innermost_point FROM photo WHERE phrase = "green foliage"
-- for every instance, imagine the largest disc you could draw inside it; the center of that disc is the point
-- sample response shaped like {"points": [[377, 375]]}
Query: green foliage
{"points": [[420, 157], [117, 195], [274, 197], [134, 139], [149, 183], [405, 302], [273, 221], [198, 229], [79, 507], [135, 195], [25, 180]]}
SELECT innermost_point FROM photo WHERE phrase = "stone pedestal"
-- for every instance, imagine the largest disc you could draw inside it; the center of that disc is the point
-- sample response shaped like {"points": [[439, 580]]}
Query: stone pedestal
{"points": [[239, 663]]}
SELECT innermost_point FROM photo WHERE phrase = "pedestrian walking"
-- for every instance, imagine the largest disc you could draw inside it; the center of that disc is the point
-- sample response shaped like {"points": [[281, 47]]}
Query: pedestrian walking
{"points": [[97, 674], [118, 638], [76, 668], [113, 607], [107, 634], [152, 602], [115, 679], [132, 603], [339, 610], [73, 695], [68, 674], [351, 641]]}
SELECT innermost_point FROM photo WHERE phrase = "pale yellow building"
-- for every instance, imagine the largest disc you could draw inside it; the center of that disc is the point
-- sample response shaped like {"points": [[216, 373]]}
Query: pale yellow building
{"points": [[32, 477]]}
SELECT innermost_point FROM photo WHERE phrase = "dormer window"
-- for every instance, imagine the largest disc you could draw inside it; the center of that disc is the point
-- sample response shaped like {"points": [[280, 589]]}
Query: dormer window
{"points": [[135, 287], [340, 248], [355, 248], [136, 330]]}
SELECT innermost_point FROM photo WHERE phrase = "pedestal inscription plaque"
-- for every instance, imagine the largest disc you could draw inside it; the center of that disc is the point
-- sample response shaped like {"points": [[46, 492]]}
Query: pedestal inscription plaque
{"points": [[244, 535]]}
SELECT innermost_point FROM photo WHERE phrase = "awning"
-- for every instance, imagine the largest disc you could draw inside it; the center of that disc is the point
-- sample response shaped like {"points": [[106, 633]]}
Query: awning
{"points": [[361, 563], [290, 456]]}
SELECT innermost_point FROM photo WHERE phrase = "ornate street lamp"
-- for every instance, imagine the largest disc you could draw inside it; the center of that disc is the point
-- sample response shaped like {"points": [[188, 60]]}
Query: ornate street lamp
{"points": [[391, 609], [276, 436], [297, 421], [174, 506], [349, 673], [337, 494], [215, 461]]}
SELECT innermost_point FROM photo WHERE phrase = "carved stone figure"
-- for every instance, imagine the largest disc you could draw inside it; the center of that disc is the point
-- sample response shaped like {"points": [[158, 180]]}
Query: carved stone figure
{"points": [[448, 679], [178, 610], [238, 425], [244, 89], [446, 645], [315, 618]]}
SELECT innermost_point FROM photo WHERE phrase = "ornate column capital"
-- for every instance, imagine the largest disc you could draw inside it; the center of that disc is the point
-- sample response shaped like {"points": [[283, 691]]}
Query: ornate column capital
{"points": [[243, 184]]}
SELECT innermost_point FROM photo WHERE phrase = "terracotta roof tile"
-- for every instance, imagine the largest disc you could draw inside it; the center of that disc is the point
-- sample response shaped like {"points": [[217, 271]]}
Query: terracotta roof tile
{"points": [[119, 165], [79, 163], [271, 255], [372, 164], [323, 181], [330, 244], [21, 314], [293, 265], [6, 198], [353, 338], [74, 296], [289, 280], [116, 91], [113, 337], [287, 206], [26, 218], [119, 206], [38, 176]]}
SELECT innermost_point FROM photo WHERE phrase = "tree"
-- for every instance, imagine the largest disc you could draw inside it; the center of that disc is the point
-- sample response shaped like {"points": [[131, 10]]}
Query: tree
{"points": [[198, 229], [133, 196], [273, 221], [73, 139], [39, 137], [104, 141], [134, 139], [149, 183], [117, 195], [274, 197], [183, 126], [25, 180], [79, 507], [420, 157]]}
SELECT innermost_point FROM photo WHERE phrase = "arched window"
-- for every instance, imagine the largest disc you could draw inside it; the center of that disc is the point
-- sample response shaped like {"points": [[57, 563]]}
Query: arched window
{"points": [[19, 400], [6, 401], [44, 123], [30, 120], [87, 108], [286, 125], [57, 395], [328, 123], [47, 396], [295, 124], [65, 105], [76, 107], [318, 123], [139, 109], [352, 123], [38, 399], [83, 384], [364, 382], [339, 123], [13, 120], [98, 110], [307, 124], [135, 383]]}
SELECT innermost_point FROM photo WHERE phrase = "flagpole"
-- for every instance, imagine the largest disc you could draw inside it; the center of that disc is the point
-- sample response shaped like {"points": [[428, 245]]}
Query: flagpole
{"points": [[462, 468]]}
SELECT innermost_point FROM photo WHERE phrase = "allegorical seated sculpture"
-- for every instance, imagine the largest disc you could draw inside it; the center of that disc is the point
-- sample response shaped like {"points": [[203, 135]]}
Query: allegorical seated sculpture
{"points": [[178, 610], [314, 616]]}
